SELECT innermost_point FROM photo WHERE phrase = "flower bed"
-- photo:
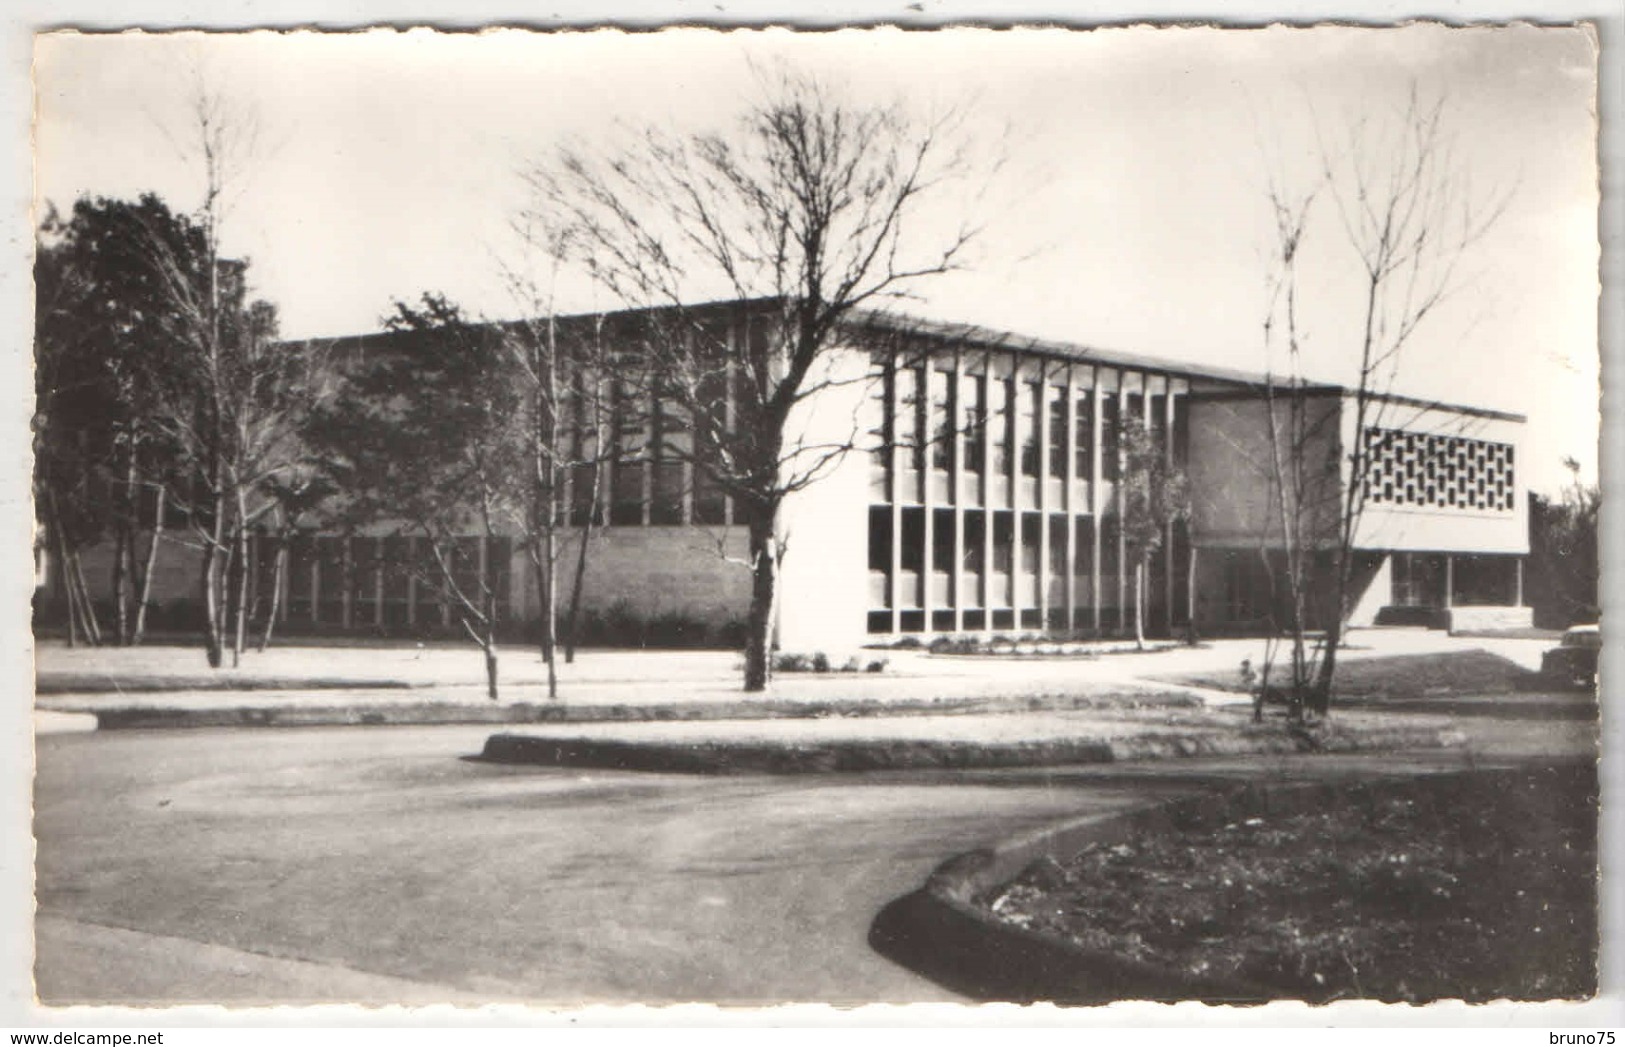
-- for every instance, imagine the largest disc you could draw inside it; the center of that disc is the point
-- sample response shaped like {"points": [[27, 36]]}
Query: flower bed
{"points": [[1477, 886]]}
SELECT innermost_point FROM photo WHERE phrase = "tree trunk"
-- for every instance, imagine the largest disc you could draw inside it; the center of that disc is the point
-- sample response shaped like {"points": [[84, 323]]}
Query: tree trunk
{"points": [[764, 584], [490, 644], [213, 647], [548, 580], [54, 522], [1320, 695], [93, 628], [278, 578], [240, 588], [123, 568], [1139, 603], [544, 561], [572, 620], [490, 669], [1190, 595], [145, 596]]}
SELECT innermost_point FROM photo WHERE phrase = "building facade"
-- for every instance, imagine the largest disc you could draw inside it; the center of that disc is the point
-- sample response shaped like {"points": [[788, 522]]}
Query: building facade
{"points": [[982, 494]]}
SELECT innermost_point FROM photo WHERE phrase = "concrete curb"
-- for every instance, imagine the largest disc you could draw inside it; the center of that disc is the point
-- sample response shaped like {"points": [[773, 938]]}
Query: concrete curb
{"points": [[767, 757], [422, 713], [58, 683], [940, 932]]}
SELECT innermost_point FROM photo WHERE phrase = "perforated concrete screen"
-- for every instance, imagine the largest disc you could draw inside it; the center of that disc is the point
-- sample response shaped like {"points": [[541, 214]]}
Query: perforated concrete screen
{"points": [[1438, 471]]}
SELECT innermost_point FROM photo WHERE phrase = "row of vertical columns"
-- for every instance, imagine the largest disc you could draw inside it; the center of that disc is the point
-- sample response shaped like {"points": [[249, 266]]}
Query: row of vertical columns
{"points": [[347, 598], [929, 401], [643, 458]]}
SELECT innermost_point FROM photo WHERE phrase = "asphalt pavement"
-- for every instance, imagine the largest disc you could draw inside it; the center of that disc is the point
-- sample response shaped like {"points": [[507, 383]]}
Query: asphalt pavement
{"points": [[374, 865]]}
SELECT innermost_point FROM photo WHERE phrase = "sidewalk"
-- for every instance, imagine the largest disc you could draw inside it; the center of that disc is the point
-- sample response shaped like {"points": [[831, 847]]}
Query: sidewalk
{"points": [[311, 685]]}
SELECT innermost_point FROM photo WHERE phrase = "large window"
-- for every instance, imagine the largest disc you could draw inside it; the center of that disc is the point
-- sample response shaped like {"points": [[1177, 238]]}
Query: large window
{"points": [[1001, 421], [1057, 431], [883, 437], [1031, 408], [1085, 446], [973, 420], [666, 482], [942, 419], [626, 475], [1111, 436], [910, 432]]}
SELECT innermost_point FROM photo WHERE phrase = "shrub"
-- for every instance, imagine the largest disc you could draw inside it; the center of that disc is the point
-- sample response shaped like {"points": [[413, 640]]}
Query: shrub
{"points": [[675, 629], [731, 634], [819, 662], [793, 662]]}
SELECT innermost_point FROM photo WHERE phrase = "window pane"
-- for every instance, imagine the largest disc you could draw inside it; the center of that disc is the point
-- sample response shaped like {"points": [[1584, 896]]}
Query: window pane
{"points": [[1057, 431]]}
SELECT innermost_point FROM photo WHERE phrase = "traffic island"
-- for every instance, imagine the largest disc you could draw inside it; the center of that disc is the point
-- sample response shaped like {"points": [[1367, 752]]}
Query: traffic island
{"points": [[1470, 885], [948, 742]]}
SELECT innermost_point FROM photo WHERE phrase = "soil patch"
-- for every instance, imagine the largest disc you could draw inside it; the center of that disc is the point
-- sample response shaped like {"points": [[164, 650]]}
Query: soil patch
{"points": [[1477, 886]]}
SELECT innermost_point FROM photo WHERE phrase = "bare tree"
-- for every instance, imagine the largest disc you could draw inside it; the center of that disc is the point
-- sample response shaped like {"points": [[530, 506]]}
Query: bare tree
{"points": [[428, 441], [236, 397], [1409, 216], [1154, 497], [809, 207], [562, 425]]}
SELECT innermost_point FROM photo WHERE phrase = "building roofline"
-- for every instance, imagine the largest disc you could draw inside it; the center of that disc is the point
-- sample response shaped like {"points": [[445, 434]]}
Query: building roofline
{"points": [[992, 338], [989, 338]]}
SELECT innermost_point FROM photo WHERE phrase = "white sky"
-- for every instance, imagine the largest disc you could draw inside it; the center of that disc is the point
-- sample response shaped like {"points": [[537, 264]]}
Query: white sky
{"points": [[1131, 215]]}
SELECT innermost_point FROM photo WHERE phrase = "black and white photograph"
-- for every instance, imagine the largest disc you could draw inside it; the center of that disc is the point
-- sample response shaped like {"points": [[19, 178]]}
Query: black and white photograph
{"points": [[1054, 514]]}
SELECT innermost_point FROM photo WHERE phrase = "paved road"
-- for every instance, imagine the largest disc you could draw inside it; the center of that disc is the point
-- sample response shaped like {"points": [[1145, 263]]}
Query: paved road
{"points": [[374, 865]]}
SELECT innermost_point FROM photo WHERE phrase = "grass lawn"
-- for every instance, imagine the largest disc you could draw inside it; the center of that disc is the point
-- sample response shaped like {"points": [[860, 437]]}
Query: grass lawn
{"points": [[1405, 677], [1473, 886]]}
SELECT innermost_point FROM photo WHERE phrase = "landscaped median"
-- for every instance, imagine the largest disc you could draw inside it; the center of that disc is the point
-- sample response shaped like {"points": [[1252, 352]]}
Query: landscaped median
{"points": [[966, 740], [1473, 884]]}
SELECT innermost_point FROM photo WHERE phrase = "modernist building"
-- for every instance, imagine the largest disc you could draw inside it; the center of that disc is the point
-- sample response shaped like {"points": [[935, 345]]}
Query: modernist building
{"points": [[982, 496]]}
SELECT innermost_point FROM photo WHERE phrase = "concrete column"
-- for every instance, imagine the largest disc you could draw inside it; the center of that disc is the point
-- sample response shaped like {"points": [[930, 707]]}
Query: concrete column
{"points": [[894, 584], [315, 579], [411, 581], [1449, 580], [1069, 497], [1041, 494], [646, 463], [283, 582], [1123, 586], [1016, 394], [1517, 577], [930, 599], [1095, 505], [956, 485], [988, 480], [346, 573], [1168, 531]]}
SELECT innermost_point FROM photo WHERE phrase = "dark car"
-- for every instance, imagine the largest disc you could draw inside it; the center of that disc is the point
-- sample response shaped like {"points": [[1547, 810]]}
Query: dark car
{"points": [[1574, 662]]}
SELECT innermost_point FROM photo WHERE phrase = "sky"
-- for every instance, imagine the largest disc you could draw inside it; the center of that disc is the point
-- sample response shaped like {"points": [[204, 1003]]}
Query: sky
{"points": [[1130, 214]]}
